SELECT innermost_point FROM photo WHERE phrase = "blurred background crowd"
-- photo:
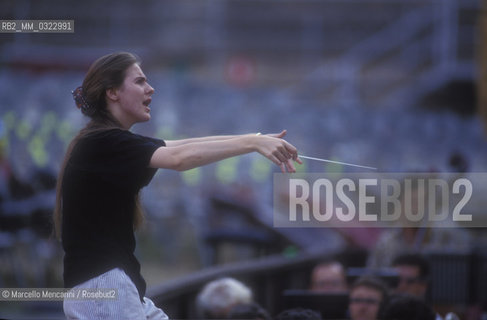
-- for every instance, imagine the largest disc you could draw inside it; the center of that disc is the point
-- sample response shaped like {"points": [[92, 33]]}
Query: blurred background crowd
{"points": [[395, 84]]}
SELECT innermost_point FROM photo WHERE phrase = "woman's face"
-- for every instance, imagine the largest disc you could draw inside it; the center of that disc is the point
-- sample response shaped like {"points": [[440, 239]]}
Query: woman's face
{"points": [[134, 97]]}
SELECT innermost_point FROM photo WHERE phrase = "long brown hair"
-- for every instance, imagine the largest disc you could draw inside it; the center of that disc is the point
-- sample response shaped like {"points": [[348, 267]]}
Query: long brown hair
{"points": [[105, 73]]}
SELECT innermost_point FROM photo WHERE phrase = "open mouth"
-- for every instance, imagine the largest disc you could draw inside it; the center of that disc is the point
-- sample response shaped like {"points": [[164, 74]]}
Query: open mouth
{"points": [[147, 102]]}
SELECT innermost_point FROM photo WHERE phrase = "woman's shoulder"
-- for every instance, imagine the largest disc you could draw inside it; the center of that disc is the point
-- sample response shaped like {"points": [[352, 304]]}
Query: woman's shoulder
{"points": [[90, 140], [113, 137]]}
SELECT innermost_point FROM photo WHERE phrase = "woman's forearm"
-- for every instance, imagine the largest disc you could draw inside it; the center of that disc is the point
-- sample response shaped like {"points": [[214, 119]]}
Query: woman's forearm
{"points": [[175, 143], [199, 152]]}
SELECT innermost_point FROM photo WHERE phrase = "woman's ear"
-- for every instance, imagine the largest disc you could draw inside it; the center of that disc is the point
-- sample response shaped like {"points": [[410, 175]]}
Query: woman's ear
{"points": [[112, 94]]}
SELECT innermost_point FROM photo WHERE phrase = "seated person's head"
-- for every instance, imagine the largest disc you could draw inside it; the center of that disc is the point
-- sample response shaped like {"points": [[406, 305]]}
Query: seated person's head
{"points": [[413, 270], [407, 307], [367, 296], [298, 314], [329, 277], [218, 297]]}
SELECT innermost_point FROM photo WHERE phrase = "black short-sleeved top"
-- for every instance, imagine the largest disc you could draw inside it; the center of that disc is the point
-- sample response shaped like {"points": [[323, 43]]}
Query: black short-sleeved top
{"points": [[105, 172]]}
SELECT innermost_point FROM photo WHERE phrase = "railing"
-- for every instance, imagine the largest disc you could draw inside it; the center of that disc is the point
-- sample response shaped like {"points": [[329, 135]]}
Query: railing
{"points": [[268, 278], [404, 60]]}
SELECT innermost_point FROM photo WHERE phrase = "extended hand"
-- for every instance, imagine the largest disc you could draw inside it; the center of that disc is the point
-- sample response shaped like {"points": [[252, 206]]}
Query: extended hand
{"points": [[278, 150]]}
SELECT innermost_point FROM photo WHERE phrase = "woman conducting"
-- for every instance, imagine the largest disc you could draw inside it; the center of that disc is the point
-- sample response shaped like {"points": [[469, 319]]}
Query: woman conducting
{"points": [[106, 165]]}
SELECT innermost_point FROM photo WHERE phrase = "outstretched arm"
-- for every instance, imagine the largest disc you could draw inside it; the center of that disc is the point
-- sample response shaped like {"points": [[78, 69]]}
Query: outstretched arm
{"points": [[175, 143], [194, 154]]}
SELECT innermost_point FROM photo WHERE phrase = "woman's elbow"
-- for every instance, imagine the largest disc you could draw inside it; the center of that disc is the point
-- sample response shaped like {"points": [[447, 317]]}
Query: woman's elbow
{"points": [[186, 163], [170, 162], [183, 165], [179, 167]]}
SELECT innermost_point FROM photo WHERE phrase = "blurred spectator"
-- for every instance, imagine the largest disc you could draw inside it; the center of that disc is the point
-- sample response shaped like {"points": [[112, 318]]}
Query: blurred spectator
{"points": [[219, 296], [368, 296], [407, 307], [418, 236], [249, 311], [413, 270], [329, 277], [298, 314], [394, 241]]}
